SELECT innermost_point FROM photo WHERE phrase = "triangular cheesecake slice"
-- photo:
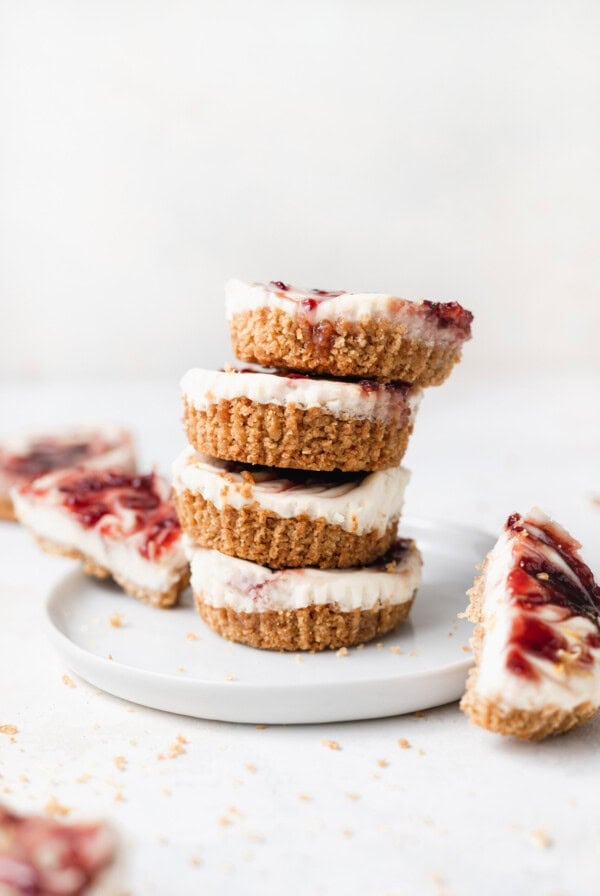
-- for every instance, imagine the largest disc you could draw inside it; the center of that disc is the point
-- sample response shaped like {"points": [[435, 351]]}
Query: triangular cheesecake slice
{"points": [[537, 639]]}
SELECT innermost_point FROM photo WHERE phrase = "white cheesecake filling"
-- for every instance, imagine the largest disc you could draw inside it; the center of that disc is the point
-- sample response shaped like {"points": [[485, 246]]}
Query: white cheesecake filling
{"points": [[357, 504], [222, 581], [556, 685], [203, 388], [122, 557], [361, 307]]}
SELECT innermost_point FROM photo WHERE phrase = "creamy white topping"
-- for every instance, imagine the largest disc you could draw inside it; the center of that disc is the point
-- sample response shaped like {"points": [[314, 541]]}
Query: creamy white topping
{"points": [[222, 581], [46, 518], [241, 297], [357, 504], [203, 388], [557, 684]]}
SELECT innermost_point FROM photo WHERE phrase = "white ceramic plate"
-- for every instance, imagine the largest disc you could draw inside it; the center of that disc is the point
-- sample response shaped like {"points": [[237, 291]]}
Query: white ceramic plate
{"points": [[149, 659]]}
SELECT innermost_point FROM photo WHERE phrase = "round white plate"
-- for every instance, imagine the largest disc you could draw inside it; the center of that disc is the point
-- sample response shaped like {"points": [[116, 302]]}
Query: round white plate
{"points": [[170, 660]]}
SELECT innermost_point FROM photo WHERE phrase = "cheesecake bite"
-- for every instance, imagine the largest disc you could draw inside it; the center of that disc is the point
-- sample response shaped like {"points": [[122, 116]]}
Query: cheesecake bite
{"points": [[118, 524], [42, 857], [304, 609], [27, 458], [288, 518], [372, 335], [295, 421], [537, 639]]}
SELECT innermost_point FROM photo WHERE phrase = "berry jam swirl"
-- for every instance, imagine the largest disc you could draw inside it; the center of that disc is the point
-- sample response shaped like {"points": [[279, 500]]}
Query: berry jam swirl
{"points": [[366, 385], [119, 505], [45, 455], [549, 579]]}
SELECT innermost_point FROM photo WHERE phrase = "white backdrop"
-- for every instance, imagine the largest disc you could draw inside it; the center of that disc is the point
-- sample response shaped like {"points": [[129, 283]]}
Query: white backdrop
{"points": [[150, 150]]}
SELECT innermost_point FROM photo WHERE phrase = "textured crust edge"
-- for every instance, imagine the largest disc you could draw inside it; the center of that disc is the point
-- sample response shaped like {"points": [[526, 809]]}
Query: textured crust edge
{"points": [[314, 628], [261, 536], [275, 436], [159, 599], [7, 511], [521, 723], [374, 348]]}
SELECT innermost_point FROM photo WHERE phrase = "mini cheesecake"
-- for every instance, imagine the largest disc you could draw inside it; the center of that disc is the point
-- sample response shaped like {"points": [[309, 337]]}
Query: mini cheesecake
{"points": [[28, 457], [288, 518], [301, 422], [304, 609], [118, 524], [47, 858], [537, 639], [370, 335]]}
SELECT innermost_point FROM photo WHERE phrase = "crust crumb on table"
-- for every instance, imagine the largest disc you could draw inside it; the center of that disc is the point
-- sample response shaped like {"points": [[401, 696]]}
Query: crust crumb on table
{"points": [[316, 627], [373, 348], [191, 636], [382, 763], [120, 763], [286, 436], [353, 796], [83, 778], [343, 651], [330, 744], [250, 767], [116, 620], [68, 681], [403, 743], [9, 729], [304, 797], [176, 749], [161, 599], [541, 838]]}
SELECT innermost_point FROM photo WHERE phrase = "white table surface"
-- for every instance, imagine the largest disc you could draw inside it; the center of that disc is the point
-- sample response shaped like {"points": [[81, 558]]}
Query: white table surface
{"points": [[272, 810]]}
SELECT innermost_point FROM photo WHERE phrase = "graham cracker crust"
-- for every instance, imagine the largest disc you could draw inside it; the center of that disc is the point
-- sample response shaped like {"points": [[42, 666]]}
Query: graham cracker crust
{"points": [[286, 436], [7, 511], [253, 533], [521, 723], [315, 628], [377, 349], [159, 599]]}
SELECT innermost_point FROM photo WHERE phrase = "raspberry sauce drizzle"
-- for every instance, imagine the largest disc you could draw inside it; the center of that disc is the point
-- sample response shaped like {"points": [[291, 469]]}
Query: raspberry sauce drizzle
{"points": [[548, 572], [119, 505]]}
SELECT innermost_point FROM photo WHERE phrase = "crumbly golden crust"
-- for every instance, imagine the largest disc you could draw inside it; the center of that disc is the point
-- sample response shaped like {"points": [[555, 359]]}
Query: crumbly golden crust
{"points": [[7, 511], [160, 599], [375, 348], [521, 723], [308, 628], [259, 535], [286, 436]]}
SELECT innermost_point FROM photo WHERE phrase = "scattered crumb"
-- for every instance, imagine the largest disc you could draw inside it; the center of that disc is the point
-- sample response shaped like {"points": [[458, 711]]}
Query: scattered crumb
{"points": [[412, 652], [166, 791], [420, 714], [250, 767], [181, 669], [24, 779], [82, 778], [110, 656], [421, 752], [7, 790], [331, 744], [299, 658], [396, 650], [196, 861], [541, 838], [465, 648], [9, 729], [347, 832], [224, 821], [120, 763], [379, 645], [176, 748], [230, 677], [353, 796], [260, 727], [131, 709], [376, 777], [54, 809], [191, 636], [403, 743], [304, 797], [116, 620], [343, 651], [119, 798], [382, 763], [66, 679], [360, 646]]}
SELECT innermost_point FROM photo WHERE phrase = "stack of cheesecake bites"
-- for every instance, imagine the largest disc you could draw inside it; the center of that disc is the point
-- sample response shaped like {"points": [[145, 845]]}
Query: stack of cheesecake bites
{"points": [[291, 489]]}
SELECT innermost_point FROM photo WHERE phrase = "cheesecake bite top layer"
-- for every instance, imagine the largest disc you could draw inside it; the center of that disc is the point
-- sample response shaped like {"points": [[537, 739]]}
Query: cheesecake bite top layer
{"points": [[357, 503], [365, 399], [442, 322], [540, 611]]}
